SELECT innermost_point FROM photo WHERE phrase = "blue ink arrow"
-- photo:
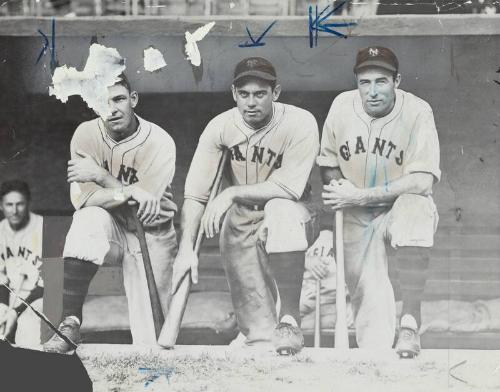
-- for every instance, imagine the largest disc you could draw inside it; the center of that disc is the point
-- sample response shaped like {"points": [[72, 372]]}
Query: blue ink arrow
{"points": [[317, 24], [254, 43], [51, 47]]}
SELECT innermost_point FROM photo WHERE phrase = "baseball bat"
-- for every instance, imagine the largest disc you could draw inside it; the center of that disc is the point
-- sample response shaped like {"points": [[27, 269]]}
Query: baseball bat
{"points": [[317, 314], [172, 324], [154, 296], [341, 334]]}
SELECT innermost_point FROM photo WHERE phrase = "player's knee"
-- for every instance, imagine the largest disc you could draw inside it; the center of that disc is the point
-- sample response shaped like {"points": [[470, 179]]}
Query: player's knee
{"points": [[91, 217], [413, 221]]}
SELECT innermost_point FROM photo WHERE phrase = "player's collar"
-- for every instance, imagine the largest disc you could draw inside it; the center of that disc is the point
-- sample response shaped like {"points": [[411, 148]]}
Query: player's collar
{"points": [[398, 105], [278, 110], [137, 132]]}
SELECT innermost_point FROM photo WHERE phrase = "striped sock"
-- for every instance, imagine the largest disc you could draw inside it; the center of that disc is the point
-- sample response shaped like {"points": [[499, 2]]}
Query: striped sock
{"points": [[77, 277], [413, 263]]}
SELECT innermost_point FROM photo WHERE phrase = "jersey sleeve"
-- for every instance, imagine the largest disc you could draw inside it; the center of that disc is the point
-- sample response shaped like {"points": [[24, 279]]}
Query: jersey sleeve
{"points": [[298, 159], [328, 156], [423, 148], [205, 162], [82, 141], [158, 168]]}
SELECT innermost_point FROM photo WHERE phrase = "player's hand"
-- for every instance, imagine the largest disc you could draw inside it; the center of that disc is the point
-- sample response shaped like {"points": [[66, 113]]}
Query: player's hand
{"points": [[185, 261], [84, 169], [341, 194], [317, 266], [149, 205], [8, 320], [214, 212]]}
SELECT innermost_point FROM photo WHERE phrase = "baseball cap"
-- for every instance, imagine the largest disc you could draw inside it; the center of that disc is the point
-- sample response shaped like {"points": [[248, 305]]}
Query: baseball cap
{"points": [[254, 66], [376, 56]]}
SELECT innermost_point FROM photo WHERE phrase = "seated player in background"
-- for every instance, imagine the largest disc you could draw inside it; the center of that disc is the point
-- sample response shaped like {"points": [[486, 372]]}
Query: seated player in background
{"points": [[116, 159], [20, 262]]}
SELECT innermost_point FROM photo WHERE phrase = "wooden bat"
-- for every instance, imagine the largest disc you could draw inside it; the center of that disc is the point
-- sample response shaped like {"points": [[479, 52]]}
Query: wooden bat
{"points": [[154, 296], [317, 314], [341, 334], [172, 324]]}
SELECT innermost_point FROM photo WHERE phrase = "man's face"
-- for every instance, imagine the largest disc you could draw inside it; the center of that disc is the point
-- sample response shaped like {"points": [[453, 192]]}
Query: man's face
{"points": [[15, 208], [377, 88], [121, 104], [254, 100]]}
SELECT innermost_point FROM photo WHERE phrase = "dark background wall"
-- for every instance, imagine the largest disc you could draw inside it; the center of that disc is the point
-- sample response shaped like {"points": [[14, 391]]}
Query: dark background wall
{"points": [[454, 73]]}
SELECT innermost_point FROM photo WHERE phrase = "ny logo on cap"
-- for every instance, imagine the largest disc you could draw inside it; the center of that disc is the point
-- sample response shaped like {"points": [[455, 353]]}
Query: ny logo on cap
{"points": [[373, 52], [252, 63]]}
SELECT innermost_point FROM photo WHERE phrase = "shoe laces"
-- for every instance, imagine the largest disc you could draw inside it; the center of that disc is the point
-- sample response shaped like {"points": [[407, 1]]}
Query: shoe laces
{"points": [[407, 333]]}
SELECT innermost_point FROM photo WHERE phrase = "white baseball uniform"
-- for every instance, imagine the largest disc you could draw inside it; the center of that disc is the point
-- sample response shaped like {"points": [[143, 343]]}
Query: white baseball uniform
{"points": [[282, 152], [20, 258], [147, 160], [372, 152]]}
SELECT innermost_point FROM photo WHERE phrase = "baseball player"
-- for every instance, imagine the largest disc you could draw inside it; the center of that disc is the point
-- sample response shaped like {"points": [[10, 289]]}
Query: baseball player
{"points": [[267, 225], [20, 254], [115, 160], [379, 160]]}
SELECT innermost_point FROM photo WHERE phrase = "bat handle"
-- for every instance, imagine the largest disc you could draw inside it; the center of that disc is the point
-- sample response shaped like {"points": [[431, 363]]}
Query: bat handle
{"points": [[341, 334], [317, 314]]}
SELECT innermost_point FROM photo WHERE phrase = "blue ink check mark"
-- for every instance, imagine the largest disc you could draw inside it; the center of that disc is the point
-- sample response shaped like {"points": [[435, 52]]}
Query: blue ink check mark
{"points": [[256, 42], [154, 374]]}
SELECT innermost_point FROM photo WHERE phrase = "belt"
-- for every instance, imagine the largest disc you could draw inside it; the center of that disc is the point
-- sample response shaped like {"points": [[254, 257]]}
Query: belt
{"points": [[253, 207], [165, 226]]}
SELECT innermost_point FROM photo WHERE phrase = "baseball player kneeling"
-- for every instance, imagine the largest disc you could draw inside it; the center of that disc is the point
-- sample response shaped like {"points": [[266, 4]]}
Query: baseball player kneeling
{"points": [[379, 159], [267, 225], [116, 159]]}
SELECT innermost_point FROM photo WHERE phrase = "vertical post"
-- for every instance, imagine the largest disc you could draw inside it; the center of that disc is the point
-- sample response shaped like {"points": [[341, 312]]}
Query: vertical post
{"points": [[208, 7], [135, 7], [341, 334], [317, 314]]}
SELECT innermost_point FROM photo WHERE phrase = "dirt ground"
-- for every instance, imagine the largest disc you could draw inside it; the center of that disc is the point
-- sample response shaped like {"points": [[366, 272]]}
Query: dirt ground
{"points": [[119, 368]]}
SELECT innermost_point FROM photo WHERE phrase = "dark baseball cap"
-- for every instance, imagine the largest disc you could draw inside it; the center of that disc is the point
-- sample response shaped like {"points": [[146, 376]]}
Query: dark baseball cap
{"points": [[376, 56], [258, 67]]}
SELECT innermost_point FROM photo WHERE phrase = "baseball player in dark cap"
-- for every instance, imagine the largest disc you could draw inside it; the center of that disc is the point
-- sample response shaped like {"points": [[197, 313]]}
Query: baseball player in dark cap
{"points": [[268, 224], [379, 160]]}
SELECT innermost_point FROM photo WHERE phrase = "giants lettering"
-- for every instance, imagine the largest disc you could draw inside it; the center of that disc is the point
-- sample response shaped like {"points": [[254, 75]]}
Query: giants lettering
{"points": [[127, 174], [381, 147], [260, 155]]}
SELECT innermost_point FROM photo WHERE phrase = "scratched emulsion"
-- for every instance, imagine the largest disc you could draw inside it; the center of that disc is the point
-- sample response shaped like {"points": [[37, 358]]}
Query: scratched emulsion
{"points": [[153, 60], [191, 48], [102, 69]]}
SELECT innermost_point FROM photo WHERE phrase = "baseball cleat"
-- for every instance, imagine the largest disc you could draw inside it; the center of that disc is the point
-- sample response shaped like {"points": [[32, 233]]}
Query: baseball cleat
{"points": [[69, 327], [408, 345], [287, 339]]}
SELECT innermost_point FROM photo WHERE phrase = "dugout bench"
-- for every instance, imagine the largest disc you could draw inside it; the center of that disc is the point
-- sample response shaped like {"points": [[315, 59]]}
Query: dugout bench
{"points": [[464, 266]]}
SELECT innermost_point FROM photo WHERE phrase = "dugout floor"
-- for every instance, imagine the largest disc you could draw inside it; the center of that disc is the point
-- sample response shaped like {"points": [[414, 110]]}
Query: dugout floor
{"points": [[124, 368]]}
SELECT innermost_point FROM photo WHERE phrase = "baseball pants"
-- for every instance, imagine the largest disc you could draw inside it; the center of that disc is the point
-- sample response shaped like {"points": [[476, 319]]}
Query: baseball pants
{"points": [[248, 236], [411, 222], [97, 237]]}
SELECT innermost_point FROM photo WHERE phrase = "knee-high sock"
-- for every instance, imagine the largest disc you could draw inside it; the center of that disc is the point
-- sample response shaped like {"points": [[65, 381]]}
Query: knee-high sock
{"points": [[288, 271], [77, 277], [413, 263]]}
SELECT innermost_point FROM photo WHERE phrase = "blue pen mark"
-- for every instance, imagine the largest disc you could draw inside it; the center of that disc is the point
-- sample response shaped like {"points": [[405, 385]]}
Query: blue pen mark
{"points": [[318, 23], [256, 42], [154, 374], [49, 45]]}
